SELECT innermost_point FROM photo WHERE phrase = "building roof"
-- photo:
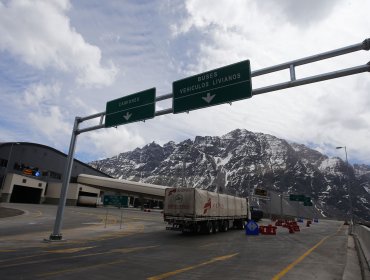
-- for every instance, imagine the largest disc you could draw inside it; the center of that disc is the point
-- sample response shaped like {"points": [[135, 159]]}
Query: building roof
{"points": [[54, 150]]}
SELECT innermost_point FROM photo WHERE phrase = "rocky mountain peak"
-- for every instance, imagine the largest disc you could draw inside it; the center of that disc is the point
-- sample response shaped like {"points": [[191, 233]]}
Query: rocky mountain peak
{"points": [[242, 160]]}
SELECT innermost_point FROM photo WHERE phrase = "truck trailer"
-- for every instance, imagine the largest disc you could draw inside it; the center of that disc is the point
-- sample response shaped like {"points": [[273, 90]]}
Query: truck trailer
{"points": [[196, 210]]}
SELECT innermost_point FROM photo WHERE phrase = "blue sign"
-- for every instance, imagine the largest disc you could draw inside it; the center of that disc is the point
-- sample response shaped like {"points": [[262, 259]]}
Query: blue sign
{"points": [[251, 228]]}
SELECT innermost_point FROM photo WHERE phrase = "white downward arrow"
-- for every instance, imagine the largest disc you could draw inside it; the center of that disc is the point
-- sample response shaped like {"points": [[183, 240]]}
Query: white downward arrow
{"points": [[209, 97], [127, 116]]}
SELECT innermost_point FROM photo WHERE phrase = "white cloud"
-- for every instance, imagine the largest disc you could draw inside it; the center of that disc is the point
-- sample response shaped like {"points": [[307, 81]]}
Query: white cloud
{"points": [[38, 94], [50, 122], [110, 142], [39, 33], [328, 113], [43, 116], [48, 46]]}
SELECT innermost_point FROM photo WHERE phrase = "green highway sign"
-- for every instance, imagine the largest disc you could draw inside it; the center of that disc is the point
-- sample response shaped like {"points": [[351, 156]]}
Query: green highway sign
{"points": [[221, 85], [307, 201], [132, 108], [297, 197], [115, 200]]}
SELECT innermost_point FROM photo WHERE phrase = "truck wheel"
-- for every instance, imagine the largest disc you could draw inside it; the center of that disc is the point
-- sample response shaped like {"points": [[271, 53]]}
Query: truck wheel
{"points": [[239, 224], [242, 226], [209, 228], [198, 228], [216, 227], [225, 226]]}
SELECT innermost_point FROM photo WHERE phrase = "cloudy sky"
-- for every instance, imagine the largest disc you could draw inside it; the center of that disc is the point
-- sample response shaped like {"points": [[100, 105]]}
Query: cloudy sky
{"points": [[60, 59]]}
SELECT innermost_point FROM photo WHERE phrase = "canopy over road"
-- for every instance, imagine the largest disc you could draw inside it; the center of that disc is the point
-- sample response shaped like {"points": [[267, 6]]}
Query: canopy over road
{"points": [[124, 186]]}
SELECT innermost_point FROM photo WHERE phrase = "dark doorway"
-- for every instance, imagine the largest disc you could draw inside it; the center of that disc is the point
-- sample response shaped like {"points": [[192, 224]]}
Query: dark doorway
{"points": [[22, 194]]}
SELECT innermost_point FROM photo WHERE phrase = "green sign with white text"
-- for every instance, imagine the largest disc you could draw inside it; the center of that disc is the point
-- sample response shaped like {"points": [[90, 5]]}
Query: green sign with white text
{"points": [[297, 197], [115, 200], [218, 86], [132, 108]]}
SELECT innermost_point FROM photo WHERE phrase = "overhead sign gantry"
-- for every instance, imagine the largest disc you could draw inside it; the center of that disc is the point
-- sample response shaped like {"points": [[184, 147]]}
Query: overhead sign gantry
{"points": [[188, 95]]}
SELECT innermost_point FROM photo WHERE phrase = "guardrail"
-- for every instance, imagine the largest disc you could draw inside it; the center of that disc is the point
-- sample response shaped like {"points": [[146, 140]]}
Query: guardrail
{"points": [[362, 233]]}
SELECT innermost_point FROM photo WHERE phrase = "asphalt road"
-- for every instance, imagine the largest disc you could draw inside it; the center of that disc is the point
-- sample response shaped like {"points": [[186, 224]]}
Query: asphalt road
{"points": [[140, 248]]}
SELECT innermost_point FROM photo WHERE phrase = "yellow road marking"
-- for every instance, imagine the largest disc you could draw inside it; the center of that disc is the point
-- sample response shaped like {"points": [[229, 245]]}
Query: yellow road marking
{"points": [[7, 251], [51, 260], [111, 220], [175, 272], [77, 269], [87, 255], [70, 250], [74, 257], [301, 258], [208, 245], [130, 229], [130, 250], [38, 214], [25, 257]]}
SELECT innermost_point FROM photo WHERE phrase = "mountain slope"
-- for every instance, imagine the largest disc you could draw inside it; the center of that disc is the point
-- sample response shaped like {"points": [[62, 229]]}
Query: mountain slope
{"points": [[241, 160]]}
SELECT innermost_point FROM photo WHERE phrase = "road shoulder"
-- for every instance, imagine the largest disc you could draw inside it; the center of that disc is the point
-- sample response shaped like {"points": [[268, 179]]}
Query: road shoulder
{"points": [[352, 269]]}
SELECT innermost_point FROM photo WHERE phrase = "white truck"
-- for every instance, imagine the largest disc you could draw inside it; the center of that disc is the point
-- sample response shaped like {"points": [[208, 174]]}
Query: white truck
{"points": [[195, 210]]}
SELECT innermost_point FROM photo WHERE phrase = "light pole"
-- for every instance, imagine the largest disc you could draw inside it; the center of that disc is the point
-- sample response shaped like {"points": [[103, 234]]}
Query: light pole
{"points": [[183, 172], [348, 184], [281, 205], [183, 183], [141, 172]]}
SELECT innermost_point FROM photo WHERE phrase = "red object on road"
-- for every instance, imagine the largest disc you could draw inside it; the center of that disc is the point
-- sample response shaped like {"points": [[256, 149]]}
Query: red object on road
{"points": [[271, 230], [262, 229], [268, 230], [279, 223]]}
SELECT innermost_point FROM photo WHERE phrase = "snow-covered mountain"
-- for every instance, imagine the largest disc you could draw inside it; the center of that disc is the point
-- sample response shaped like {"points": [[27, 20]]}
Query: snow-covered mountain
{"points": [[242, 159]]}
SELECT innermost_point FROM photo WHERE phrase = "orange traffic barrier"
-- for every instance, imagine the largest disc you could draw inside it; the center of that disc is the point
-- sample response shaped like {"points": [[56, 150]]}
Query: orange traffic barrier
{"points": [[268, 230], [262, 229], [291, 230], [271, 230], [279, 223]]}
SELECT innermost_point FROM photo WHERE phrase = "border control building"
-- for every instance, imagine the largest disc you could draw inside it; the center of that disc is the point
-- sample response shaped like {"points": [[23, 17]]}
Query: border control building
{"points": [[32, 173]]}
